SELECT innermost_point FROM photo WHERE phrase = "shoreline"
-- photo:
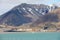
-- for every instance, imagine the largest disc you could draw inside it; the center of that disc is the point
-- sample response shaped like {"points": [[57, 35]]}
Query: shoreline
{"points": [[25, 32]]}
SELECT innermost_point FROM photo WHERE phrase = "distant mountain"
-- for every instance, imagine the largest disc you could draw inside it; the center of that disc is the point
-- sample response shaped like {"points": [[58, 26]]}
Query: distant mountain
{"points": [[27, 13], [53, 7]]}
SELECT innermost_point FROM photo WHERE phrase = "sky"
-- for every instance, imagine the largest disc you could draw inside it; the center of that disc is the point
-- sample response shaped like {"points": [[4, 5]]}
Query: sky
{"points": [[6, 5]]}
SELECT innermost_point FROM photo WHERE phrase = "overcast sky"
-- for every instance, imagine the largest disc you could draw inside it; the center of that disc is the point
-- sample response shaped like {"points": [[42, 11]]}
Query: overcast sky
{"points": [[6, 5]]}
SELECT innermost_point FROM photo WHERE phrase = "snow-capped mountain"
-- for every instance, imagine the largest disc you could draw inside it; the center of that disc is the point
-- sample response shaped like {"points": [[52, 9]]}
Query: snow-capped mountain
{"points": [[53, 7], [25, 13]]}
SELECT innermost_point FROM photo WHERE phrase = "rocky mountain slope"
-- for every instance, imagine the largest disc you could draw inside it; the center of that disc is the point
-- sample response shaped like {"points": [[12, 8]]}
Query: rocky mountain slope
{"points": [[28, 13]]}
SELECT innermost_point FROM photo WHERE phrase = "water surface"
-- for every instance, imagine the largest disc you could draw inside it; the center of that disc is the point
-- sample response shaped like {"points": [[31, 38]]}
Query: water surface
{"points": [[30, 36]]}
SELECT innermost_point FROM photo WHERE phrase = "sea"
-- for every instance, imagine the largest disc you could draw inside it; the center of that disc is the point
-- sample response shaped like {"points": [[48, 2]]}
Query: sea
{"points": [[30, 36]]}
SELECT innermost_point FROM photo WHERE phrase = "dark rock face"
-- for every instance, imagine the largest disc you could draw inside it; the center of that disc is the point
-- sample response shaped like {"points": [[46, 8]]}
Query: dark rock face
{"points": [[14, 18], [51, 18], [26, 13]]}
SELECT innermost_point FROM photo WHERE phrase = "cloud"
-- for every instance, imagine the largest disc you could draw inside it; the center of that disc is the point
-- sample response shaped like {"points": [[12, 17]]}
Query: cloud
{"points": [[58, 4]]}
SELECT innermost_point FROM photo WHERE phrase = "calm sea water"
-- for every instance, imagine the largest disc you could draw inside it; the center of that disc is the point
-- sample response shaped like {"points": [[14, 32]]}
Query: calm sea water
{"points": [[31, 36]]}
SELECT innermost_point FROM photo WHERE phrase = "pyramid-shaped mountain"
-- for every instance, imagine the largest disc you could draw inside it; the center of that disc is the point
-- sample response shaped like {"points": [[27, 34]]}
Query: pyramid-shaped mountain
{"points": [[24, 14]]}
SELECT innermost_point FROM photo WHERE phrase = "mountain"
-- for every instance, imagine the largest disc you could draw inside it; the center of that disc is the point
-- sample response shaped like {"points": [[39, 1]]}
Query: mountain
{"points": [[28, 13], [53, 7]]}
